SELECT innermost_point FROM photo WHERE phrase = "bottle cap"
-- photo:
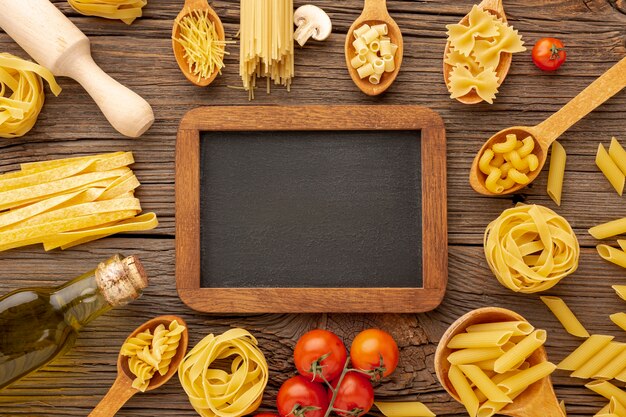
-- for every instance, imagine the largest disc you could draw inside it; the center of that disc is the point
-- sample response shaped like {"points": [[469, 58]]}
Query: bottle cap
{"points": [[121, 280]]}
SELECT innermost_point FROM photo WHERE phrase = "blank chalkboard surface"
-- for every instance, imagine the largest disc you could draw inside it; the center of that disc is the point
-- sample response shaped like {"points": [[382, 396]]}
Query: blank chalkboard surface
{"points": [[344, 206], [300, 209]]}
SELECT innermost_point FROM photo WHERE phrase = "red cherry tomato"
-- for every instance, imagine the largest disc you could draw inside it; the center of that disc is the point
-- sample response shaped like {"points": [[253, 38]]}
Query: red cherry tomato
{"points": [[375, 350], [549, 54], [355, 395], [320, 352], [301, 398]]}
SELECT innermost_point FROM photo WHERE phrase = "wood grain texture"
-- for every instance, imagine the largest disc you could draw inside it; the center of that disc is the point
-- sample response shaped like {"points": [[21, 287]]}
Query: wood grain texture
{"points": [[140, 56]]}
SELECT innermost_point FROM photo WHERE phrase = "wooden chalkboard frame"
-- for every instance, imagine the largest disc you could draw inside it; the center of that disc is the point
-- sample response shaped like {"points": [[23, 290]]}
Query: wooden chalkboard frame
{"points": [[313, 118]]}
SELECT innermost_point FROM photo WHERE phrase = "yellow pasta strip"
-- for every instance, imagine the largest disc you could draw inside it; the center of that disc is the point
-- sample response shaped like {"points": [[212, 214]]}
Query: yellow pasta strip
{"points": [[54, 163], [587, 350], [611, 254], [610, 170], [565, 316], [125, 10], [596, 363], [558, 158], [619, 319], [620, 290], [607, 390], [618, 155], [404, 409], [217, 393], [21, 94]]}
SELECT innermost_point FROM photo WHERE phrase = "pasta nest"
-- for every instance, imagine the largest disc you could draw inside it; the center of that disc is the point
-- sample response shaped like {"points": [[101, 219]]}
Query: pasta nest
{"points": [[214, 391], [21, 94], [530, 248]]}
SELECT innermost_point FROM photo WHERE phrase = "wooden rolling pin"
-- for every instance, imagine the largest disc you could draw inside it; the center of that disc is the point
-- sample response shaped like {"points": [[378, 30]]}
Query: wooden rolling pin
{"points": [[57, 44]]}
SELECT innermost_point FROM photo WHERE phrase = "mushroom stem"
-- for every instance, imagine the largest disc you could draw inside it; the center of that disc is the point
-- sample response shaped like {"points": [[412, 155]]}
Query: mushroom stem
{"points": [[304, 32]]}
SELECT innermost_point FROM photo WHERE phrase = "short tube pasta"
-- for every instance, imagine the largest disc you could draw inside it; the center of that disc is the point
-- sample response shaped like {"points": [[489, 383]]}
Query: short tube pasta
{"points": [[556, 173], [381, 29], [473, 355], [526, 377], [374, 78], [520, 352], [612, 368], [479, 339], [484, 383], [374, 46], [360, 46], [366, 70], [358, 61], [518, 328], [379, 66], [377, 49], [620, 290], [618, 155], [390, 64], [611, 254], [610, 169], [592, 367], [565, 316], [464, 390], [607, 390], [619, 319], [385, 47], [584, 352], [358, 32], [609, 229]]}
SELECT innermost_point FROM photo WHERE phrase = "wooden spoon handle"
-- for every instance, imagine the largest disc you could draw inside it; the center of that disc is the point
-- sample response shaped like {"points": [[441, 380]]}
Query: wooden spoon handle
{"points": [[375, 10], [120, 392], [599, 91]]}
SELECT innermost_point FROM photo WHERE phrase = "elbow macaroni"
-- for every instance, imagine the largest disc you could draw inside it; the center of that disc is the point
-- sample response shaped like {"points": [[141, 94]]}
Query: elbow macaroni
{"points": [[514, 159]]}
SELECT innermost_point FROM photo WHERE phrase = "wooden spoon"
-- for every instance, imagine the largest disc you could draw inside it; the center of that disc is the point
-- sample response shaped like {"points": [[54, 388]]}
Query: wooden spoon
{"points": [[122, 390], [495, 8], [374, 13], [605, 87], [538, 399], [179, 51]]}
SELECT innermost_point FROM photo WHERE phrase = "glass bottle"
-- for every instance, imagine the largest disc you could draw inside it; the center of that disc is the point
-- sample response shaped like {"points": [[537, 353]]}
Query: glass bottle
{"points": [[40, 324]]}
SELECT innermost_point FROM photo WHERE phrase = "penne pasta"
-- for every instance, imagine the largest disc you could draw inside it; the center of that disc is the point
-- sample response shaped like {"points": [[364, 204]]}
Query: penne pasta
{"points": [[567, 318], [599, 361], [617, 408], [463, 390], [610, 170], [526, 377], [465, 356], [607, 390], [484, 383], [603, 411], [404, 409], [613, 255], [618, 155], [520, 352], [620, 290], [609, 229], [556, 172], [479, 339], [619, 319], [613, 368], [584, 352], [518, 328], [490, 408]]}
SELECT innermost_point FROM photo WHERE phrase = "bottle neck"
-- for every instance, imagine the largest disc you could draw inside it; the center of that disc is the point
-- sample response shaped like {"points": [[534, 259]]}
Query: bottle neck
{"points": [[80, 300]]}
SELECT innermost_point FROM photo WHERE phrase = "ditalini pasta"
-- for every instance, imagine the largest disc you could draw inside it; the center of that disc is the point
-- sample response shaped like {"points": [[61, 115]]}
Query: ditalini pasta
{"points": [[611, 254], [214, 392], [404, 409], [567, 318], [266, 43], [507, 163], [610, 169], [374, 52], [487, 379], [21, 94], [125, 10], [204, 51], [149, 353], [619, 319], [556, 172], [537, 259], [475, 52]]}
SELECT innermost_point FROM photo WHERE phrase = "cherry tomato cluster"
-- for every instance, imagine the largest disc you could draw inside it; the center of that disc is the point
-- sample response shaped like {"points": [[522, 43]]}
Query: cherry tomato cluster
{"points": [[325, 382]]}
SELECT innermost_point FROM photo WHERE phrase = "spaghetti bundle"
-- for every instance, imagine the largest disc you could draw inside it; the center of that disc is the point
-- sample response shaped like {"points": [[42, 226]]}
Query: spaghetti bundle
{"points": [[65, 202], [21, 94], [530, 248], [125, 10], [266, 37]]}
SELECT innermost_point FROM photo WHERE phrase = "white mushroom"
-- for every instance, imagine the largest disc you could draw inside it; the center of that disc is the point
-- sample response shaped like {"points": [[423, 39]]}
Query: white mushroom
{"points": [[312, 22]]}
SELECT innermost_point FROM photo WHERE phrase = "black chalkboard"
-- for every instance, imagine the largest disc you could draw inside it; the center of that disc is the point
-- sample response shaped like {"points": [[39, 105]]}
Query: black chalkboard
{"points": [[310, 209]]}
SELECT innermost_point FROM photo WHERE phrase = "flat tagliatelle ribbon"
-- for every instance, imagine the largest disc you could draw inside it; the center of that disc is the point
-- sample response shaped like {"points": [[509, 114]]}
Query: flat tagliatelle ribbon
{"points": [[215, 392], [21, 94], [530, 248], [125, 10]]}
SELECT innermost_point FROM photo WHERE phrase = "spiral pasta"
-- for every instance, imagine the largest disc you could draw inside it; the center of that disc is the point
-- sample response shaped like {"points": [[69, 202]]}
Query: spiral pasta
{"points": [[125, 10], [21, 94], [152, 352], [530, 248], [215, 392]]}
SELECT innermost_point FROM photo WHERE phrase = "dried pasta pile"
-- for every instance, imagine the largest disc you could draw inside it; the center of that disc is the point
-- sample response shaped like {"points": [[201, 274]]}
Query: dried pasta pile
{"points": [[125, 10], [375, 53], [530, 248], [149, 353], [215, 392], [204, 51], [21, 94], [266, 43], [497, 360], [475, 51], [66, 202]]}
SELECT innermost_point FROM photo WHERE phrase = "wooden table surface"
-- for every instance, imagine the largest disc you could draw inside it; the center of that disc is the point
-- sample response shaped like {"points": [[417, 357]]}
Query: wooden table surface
{"points": [[141, 57]]}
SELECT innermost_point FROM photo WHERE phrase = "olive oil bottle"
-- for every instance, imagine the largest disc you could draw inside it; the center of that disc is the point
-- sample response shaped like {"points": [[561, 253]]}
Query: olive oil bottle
{"points": [[39, 324]]}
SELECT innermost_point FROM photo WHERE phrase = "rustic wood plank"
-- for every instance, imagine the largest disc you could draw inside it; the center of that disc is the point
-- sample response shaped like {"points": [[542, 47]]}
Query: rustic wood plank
{"points": [[140, 56]]}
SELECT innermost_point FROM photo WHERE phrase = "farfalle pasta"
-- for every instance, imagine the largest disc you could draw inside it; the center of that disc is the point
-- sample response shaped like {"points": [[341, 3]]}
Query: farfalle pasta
{"points": [[530, 248], [475, 52]]}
